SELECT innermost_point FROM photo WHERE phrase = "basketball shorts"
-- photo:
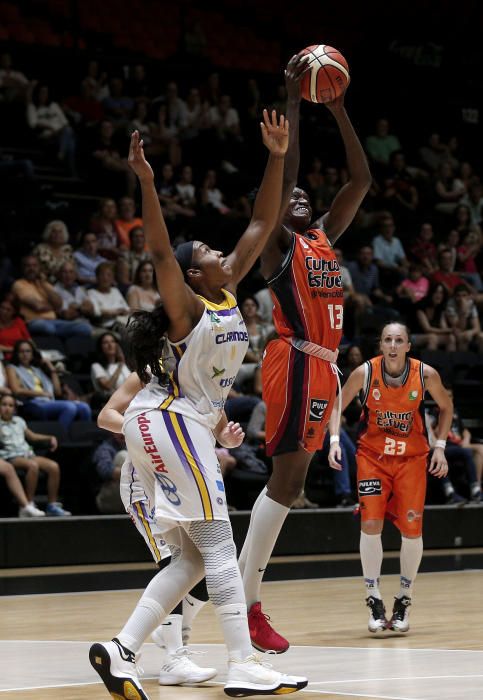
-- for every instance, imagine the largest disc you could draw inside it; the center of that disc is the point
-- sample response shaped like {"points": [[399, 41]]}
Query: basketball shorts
{"points": [[140, 510], [394, 488], [299, 391], [175, 460]]}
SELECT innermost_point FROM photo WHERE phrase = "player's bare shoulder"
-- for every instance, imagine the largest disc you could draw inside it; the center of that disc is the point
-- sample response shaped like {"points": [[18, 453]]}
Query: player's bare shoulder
{"points": [[275, 251]]}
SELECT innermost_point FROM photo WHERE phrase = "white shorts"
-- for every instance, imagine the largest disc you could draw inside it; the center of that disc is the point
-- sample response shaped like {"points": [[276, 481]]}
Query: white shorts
{"points": [[139, 508], [174, 457]]}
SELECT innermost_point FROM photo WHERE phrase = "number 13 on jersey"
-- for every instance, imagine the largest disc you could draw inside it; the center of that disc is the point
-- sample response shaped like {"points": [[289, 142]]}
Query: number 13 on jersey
{"points": [[336, 315]]}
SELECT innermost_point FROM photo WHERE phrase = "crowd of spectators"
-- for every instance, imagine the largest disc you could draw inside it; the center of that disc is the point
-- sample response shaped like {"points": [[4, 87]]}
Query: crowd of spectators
{"points": [[413, 253]]}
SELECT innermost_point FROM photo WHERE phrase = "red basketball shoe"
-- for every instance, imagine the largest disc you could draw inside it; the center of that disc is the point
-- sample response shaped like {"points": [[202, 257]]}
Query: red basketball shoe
{"points": [[262, 634]]}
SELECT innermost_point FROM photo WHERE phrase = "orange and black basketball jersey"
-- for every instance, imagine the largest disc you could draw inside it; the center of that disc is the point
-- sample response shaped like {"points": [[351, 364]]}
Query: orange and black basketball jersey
{"points": [[307, 291], [392, 420]]}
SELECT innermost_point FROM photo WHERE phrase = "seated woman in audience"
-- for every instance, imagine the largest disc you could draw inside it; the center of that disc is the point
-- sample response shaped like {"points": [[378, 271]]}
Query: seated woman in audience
{"points": [[415, 286], [14, 434], [54, 251], [143, 295], [130, 260], [467, 253], [462, 317], [258, 332], [431, 329], [87, 258], [35, 381], [103, 224], [110, 370], [110, 307], [12, 326]]}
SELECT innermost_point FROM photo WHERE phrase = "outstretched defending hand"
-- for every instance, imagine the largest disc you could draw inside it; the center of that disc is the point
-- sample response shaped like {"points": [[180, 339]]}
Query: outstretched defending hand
{"points": [[438, 466], [137, 161], [232, 435], [335, 456], [297, 66], [275, 133]]}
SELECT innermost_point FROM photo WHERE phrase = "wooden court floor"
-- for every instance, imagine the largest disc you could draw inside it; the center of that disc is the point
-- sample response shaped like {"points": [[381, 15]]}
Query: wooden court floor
{"points": [[44, 642]]}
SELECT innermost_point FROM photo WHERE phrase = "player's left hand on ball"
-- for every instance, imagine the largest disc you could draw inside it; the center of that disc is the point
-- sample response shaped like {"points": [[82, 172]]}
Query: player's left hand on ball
{"points": [[338, 104], [296, 68], [275, 133], [335, 457], [232, 435], [438, 466]]}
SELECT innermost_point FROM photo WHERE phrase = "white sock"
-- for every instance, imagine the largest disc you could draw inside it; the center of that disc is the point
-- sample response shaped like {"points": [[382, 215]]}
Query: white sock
{"points": [[242, 559], [410, 557], [143, 621], [265, 527], [191, 608], [371, 559], [171, 630], [234, 624]]}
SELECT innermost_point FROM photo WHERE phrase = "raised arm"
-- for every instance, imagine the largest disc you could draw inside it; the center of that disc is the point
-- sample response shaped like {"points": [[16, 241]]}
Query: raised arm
{"points": [[349, 391], [111, 416], [350, 196], [267, 204], [181, 304], [438, 465]]}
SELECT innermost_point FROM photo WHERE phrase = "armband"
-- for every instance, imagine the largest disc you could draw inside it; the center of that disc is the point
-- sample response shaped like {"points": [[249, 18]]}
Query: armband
{"points": [[441, 443]]}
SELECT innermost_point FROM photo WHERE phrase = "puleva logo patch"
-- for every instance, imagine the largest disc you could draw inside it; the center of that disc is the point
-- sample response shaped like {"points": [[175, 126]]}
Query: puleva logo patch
{"points": [[370, 487], [317, 410], [413, 395]]}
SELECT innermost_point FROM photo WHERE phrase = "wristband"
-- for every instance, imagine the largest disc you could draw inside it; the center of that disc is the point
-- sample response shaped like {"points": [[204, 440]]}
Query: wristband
{"points": [[334, 438], [441, 443]]}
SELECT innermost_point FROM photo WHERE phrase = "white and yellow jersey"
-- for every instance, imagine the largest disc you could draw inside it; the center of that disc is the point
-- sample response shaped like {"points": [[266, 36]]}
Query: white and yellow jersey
{"points": [[205, 365]]}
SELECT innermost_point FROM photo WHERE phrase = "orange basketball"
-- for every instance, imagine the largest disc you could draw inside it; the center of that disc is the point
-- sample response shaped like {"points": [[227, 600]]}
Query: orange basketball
{"points": [[328, 76]]}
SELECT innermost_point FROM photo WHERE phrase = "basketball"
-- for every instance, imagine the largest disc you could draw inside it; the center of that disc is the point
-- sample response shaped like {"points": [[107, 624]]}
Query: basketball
{"points": [[328, 76]]}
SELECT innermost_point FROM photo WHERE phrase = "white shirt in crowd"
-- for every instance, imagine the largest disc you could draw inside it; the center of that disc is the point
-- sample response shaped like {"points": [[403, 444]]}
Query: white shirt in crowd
{"points": [[98, 371], [107, 301]]}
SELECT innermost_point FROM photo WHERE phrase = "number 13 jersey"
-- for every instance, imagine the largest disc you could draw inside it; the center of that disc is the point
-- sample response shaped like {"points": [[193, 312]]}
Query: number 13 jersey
{"points": [[392, 419], [307, 291]]}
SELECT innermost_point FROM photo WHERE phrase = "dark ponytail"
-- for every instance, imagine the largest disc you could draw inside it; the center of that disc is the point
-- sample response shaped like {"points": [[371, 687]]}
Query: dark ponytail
{"points": [[145, 338]]}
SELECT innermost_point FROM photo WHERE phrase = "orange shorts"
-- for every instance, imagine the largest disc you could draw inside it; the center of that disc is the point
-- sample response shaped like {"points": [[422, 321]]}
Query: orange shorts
{"points": [[299, 391], [392, 487]]}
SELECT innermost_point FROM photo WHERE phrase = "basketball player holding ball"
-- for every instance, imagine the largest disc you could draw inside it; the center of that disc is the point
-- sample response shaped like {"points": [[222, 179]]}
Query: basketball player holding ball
{"points": [[298, 370], [392, 462]]}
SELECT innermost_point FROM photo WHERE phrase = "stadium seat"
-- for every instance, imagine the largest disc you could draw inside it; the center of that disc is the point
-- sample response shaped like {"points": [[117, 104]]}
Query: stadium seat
{"points": [[49, 342], [86, 431]]}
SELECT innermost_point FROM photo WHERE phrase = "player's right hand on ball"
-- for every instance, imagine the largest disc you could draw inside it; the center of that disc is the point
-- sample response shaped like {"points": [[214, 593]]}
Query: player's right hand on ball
{"points": [[297, 66], [136, 159], [335, 457]]}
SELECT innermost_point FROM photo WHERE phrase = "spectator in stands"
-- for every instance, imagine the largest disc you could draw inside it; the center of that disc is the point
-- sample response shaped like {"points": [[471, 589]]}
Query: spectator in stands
{"points": [[110, 166], [462, 317], [39, 304], [12, 326], [88, 259], [76, 305], [467, 175], [444, 274], [224, 120], [211, 196], [258, 332], [104, 225], [474, 200], [196, 121], [389, 255], [52, 126], [451, 243], [415, 286], [186, 192], [380, 145], [130, 260], [54, 251], [455, 452], [327, 191], [163, 142], [127, 221], [14, 448], [449, 189], [140, 122], [431, 330], [167, 192], [34, 380], [117, 105], [462, 220], [423, 250], [175, 110], [467, 254], [435, 153], [97, 79], [110, 370], [4, 388], [14, 85], [83, 108], [110, 307], [108, 459], [143, 295], [315, 178], [138, 85], [459, 435], [14, 485], [365, 277], [400, 192]]}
